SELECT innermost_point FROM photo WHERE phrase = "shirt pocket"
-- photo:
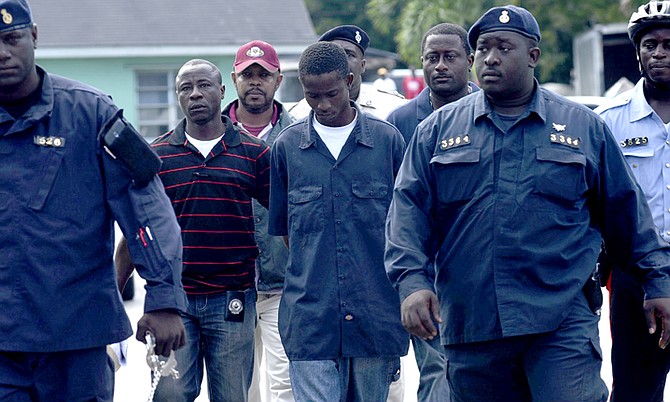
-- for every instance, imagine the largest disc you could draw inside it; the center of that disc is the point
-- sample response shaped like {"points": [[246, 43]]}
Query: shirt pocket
{"points": [[560, 174], [643, 165], [306, 209], [456, 174], [370, 202], [46, 178]]}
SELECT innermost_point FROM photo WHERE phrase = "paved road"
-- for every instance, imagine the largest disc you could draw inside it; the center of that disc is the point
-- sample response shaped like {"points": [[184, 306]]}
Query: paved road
{"points": [[133, 380]]}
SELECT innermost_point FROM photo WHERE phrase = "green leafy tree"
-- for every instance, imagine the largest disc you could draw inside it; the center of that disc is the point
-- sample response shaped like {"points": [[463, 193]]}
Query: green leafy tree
{"points": [[559, 20], [398, 25], [327, 14]]}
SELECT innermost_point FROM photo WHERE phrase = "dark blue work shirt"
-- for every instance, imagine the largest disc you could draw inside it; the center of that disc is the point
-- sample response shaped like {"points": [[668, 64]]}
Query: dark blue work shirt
{"points": [[518, 215], [409, 115], [337, 299], [60, 193]]}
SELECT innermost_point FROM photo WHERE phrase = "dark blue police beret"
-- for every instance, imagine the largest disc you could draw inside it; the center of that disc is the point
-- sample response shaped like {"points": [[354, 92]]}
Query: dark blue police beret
{"points": [[505, 18], [349, 33], [14, 14]]}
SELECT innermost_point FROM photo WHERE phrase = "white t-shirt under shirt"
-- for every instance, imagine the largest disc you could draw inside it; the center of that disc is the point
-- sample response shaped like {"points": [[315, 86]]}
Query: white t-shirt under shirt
{"points": [[206, 146], [334, 137]]}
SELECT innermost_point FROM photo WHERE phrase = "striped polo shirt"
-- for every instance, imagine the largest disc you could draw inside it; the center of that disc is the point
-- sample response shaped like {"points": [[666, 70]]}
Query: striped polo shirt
{"points": [[211, 197]]}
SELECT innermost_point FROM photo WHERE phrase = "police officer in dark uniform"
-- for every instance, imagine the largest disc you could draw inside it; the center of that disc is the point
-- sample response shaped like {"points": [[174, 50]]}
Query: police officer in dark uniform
{"points": [[71, 167], [510, 193]]}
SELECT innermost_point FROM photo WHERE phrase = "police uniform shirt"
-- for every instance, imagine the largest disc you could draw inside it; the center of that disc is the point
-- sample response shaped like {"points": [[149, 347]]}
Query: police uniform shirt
{"points": [[60, 194], [517, 216], [643, 138]]}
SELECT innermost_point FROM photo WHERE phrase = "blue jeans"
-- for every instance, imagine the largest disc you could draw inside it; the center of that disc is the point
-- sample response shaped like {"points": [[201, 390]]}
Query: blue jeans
{"points": [[85, 375], [558, 366], [433, 384], [226, 347], [346, 379]]}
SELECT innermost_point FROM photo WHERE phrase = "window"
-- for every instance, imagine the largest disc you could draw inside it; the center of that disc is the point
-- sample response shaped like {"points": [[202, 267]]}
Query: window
{"points": [[158, 108]]}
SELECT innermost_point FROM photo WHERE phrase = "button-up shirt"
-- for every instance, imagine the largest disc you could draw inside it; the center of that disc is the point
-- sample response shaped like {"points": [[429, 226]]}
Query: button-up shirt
{"points": [[60, 193], [645, 142], [517, 215], [212, 196], [337, 299]]}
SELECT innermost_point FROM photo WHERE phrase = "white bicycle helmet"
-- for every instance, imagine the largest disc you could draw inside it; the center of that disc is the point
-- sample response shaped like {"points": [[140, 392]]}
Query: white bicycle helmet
{"points": [[652, 14]]}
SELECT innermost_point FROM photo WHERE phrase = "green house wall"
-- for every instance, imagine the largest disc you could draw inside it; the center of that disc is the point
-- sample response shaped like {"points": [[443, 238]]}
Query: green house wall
{"points": [[117, 76]]}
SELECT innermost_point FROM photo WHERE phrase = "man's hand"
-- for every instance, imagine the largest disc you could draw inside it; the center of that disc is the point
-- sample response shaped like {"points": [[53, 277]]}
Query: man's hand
{"points": [[167, 328], [417, 313], [658, 309]]}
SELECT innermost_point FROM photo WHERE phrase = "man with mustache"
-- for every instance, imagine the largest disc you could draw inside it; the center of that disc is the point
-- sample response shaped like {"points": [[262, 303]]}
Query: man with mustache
{"points": [[640, 121], [508, 195], [447, 60], [256, 76], [212, 170]]}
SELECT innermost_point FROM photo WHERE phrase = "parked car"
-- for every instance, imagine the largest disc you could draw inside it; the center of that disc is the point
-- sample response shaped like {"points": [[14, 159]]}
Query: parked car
{"points": [[398, 74]]}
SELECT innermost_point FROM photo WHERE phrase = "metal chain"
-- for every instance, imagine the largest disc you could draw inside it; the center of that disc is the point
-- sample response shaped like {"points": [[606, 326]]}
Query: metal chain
{"points": [[159, 368]]}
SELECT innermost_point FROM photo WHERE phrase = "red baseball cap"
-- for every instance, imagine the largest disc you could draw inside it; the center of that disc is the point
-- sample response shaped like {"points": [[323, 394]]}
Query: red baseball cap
{"points": [[259, 52]]}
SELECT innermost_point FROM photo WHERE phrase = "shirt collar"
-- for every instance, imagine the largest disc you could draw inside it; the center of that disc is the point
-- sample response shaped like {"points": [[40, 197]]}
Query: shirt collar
{"points": [[639, 107], [537, 105], [230, 139], [361, 131], [423, 106]]}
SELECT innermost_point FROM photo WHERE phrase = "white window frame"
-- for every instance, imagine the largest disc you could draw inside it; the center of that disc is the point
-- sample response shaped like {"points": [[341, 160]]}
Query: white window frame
{"points": [[146, 126]]}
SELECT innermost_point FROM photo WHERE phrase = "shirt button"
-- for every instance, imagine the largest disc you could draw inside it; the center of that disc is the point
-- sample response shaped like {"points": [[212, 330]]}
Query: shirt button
{"points": [[634, 165], [338, 222], [348, 317], [336, 194], [258, 219], [341, 277], [667, 165], [344, 304], [668, 186], [340, 249]]}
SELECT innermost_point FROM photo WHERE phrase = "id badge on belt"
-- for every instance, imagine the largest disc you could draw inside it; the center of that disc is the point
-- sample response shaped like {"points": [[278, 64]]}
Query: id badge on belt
{"points": [[235, 306]]}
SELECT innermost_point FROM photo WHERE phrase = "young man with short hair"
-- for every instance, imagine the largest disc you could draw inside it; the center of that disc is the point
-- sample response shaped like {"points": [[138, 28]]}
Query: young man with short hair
{"points": [[355, 42], [332, 175]]}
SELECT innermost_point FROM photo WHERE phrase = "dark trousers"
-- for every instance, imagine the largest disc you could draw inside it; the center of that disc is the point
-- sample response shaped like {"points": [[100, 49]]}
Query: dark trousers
{"points": [[85, 375], [559, 366], [639, 366]]}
